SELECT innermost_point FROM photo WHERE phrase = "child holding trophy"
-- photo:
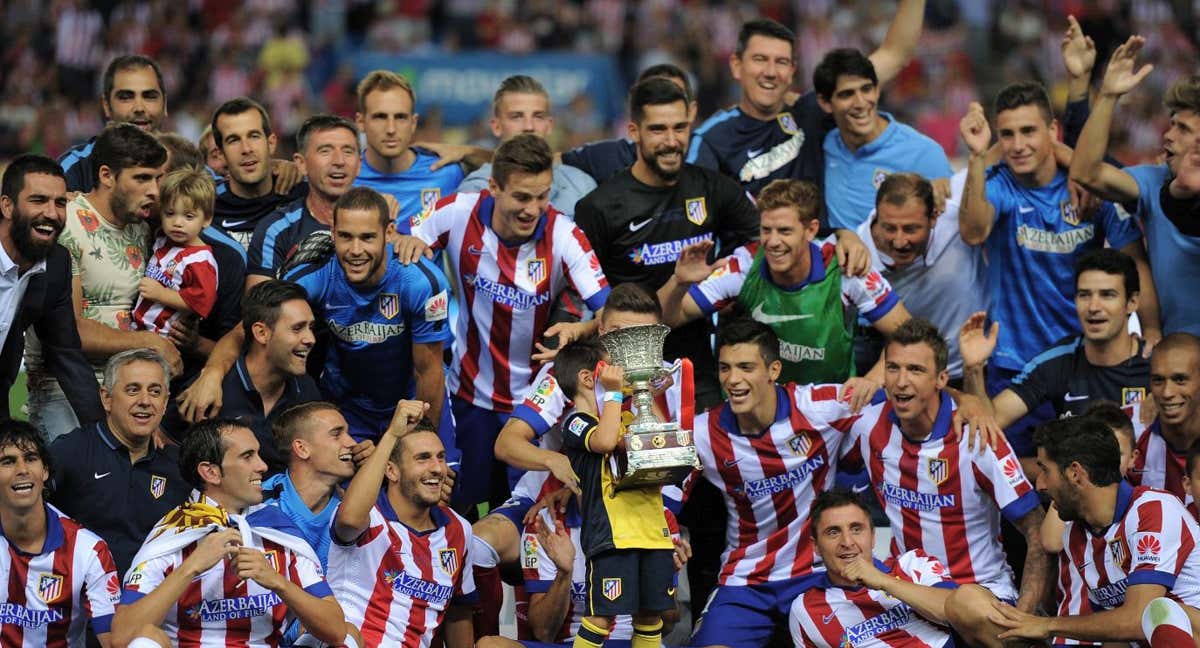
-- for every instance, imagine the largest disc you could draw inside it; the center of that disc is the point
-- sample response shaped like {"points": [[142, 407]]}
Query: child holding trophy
{"points": [[630, 565]]}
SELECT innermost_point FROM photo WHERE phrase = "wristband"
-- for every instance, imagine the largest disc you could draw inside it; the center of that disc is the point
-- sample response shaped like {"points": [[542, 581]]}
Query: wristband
{"points": [[614, 397]]}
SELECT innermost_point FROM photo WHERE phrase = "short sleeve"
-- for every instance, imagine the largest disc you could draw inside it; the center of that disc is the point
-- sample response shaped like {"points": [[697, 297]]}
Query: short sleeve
{"points": [[577, 430], [314, 279], [102, 587], [476, 182], [539, 570], [1159, 540], [146, 577], [922, 569], [544, 403], [199, 286], [464, 591], [739, 217], [998, 192], [701, 153], [591, 220], [871, 295], [722, 287], [583, 269], [1038, 381], [432, 228], [310, 578], [1000, 475], [1119, 227], [428, 297], [66, 238]]}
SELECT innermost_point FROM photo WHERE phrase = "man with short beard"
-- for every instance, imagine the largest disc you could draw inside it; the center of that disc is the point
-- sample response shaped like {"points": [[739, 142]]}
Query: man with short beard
{"points": [[133, 92], [35, 283], [639, 220], [107, 236]]}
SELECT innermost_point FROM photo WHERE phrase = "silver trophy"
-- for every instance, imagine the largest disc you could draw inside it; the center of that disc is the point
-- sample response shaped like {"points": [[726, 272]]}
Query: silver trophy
{"points": [[651, 452]]}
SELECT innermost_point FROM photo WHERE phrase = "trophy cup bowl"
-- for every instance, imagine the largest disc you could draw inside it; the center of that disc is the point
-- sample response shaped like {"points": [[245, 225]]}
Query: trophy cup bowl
{"points": [[651, 452]]}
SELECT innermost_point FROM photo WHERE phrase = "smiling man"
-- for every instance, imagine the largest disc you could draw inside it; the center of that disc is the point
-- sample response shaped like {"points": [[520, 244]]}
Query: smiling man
{"points": [[1162, 447], [118, 482], [862, 601], [389, 322]]}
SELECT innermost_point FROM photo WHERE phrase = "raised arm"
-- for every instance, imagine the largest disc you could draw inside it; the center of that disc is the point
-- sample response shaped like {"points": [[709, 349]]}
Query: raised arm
{"points": [[1088, 167], [691, 268], [608, 431], [975, 345], [898, 45], [1079, 57], [976, 215]]}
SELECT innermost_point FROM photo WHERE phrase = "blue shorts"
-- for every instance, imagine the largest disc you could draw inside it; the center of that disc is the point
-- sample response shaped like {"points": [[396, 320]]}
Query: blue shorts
{"points": [[476, 433], [370, 425], [1020, 433], [745, 616], [515, 509]]}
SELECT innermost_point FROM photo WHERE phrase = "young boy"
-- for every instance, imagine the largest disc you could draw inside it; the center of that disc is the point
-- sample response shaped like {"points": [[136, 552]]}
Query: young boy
{"points": [[625, 535], [181, 276], [1191, 480]]}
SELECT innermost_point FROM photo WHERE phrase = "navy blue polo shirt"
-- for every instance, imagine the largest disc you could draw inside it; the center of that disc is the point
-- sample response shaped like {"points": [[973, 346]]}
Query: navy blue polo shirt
{"points": [[241, 400], [97, 485]]}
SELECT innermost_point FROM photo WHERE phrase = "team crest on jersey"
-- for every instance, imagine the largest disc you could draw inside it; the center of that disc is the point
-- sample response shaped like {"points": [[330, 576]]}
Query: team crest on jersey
{"points": [[389, 305], [787, 123], [695, 210], [1070, 215], [878, 177], [1131, 395], [158, 485], [800, 444], [170, 267], [536, 269], [1117, 549], [49, 587], [939, 470], [429, 199], [272, 558], [448, 561], [611, 588]]}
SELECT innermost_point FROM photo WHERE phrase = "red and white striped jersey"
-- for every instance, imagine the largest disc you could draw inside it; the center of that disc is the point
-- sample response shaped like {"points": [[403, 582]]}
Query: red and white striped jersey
{"points": [[191, 271], [941, 497], [395, 584], [770, 480], [220, 609], [1072, 599], [49, 597], [505, 292], [1152, 540], [1157, 464], [831, 616]]}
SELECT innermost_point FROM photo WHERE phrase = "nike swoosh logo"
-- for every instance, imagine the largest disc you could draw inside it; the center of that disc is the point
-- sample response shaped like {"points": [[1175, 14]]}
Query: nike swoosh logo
{"points": [[670, 591], [753, 153], [827, 618], [1072, 398], [1024, 210], [729, 463], [633, 227], [235, 223], [476, 251], [101, 475], [859, 489], [759, 315]]}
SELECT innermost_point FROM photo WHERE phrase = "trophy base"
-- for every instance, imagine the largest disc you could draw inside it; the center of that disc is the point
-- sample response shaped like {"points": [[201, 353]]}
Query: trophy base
{"points": [[653, 454]]}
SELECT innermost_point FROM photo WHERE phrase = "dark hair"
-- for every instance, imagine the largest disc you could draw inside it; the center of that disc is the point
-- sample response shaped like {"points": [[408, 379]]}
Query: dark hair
{"points": [[364, 198], [525, 153], [668, 71], [181, 153], [580, 355], [320, 124], [24, 436], [131, 62], [202, 443], [1112, 416], [763, 27], [1025, 93], [844, 61], [287, 426], [236, 107], [897, 188], [921, 331], [655, 91], [23, 165], [1083, 440], [125, 146], [631, 297], [1113, 262], [744, 330], [262, 303], [803, 195], [835, 498], [424, 426]]}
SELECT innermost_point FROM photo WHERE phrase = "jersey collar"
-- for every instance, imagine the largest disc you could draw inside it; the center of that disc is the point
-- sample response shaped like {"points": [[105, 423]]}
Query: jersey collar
{"points": [[1124, 499], [941, 424], [54, 534], [816, 270], [487, 203], [782, 407], [293, 382], [440, 518]]}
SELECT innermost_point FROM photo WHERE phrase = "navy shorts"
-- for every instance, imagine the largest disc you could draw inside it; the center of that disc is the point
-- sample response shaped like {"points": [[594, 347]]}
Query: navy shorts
{"points": [[746, 616], [628, 581]]}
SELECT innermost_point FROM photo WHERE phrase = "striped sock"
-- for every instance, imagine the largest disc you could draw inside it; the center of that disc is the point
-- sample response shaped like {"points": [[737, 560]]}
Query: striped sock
{"points": [[589, 636], [647, 636], [1166, 625]]}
